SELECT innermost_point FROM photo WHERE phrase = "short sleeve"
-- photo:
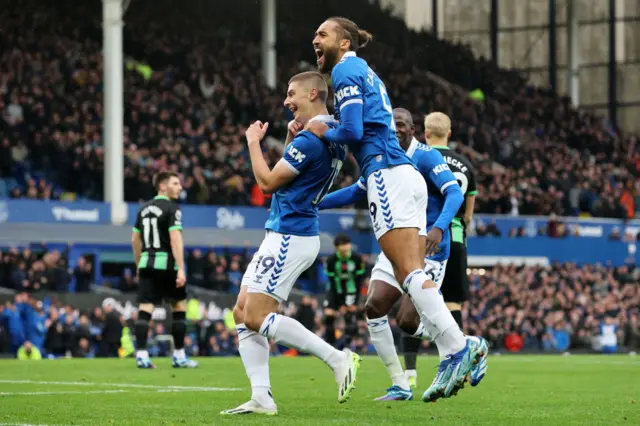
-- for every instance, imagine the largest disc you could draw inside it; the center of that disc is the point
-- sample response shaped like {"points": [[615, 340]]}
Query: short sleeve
{"points": [[137, 227], [361, 266], [175, 220], [347, 86], [472, 189], [302, 152], [362, 184]]}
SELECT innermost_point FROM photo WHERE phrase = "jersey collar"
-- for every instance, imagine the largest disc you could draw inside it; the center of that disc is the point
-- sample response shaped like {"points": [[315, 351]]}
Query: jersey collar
{"points": [[324, 118], [349, 53], [412, 147], [160, 197]]}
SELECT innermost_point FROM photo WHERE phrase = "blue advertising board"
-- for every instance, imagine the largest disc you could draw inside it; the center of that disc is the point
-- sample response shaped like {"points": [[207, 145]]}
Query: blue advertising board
{"points": [[39, 211], [588, 240]]}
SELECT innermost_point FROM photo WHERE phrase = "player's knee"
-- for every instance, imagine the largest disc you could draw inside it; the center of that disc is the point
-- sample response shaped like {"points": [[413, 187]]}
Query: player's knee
{"points": [[408, 322], [253, 320], [238, 313], [373, 309]]}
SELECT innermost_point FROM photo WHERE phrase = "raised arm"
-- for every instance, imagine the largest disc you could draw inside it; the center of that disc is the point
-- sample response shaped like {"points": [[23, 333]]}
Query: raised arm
{"points": [[268, 180]]}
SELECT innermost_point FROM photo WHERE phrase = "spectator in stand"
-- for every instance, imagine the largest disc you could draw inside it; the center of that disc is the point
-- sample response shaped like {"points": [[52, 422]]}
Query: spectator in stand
{"points": [[129, 282], [186, 109], [83, 275]]}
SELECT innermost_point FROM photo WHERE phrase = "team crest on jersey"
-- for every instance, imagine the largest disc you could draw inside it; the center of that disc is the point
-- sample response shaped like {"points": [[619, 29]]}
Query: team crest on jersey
{"points": [[347, 92], [296, 154]]}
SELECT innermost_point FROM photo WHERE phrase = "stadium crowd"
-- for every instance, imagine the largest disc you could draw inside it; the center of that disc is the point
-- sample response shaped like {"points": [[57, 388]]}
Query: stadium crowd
{"points": [[186, 107], [558, 308]]}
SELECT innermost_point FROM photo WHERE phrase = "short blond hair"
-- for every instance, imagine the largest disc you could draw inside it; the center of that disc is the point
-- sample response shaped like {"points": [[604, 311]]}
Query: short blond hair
{"points": [[438, 123], [313, 80]]}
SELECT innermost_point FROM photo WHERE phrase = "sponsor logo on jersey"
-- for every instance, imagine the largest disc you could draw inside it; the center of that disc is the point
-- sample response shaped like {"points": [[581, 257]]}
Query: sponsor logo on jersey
{"points": [[296, 155], [440, 168], [347, 92]]}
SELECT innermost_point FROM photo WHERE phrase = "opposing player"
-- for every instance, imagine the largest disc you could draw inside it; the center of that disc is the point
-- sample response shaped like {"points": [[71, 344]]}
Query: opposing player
{"points": [[159, 253], [396, 193], [445, 198], [455, 287], [299, 181], [346, 270]]}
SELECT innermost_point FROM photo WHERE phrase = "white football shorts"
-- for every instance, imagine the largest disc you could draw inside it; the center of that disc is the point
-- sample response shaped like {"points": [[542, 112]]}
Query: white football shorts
{"points": [[383, 271], [278, 264], [397, 198]]}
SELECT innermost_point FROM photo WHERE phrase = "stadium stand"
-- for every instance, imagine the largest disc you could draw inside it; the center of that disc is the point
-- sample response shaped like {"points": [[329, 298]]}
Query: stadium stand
{"points": [[186, 107]]}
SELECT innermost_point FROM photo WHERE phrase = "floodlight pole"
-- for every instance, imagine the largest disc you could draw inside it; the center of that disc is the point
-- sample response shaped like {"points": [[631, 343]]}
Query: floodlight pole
{"points": [[268, 49], [112, 12]]}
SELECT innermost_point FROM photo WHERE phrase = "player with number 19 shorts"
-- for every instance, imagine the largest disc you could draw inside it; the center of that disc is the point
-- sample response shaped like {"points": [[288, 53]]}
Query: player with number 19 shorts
{"points": [[299, 182], [396, 192]]}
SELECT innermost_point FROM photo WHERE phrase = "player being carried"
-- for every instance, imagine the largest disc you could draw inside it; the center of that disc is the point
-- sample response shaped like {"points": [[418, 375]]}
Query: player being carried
{"points": [[299, 181], [396, 192], [445, 198], [159, 253]]}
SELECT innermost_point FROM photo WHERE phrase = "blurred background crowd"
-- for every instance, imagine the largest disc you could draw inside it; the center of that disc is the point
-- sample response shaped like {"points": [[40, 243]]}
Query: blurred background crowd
{"points": [[193, 84], [187, 105], [532, 308]]}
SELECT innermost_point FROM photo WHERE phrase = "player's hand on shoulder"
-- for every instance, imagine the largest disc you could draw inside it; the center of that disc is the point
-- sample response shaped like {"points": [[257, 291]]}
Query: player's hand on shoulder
{"points": [[318, 128], [294, 128], [256, 132]]}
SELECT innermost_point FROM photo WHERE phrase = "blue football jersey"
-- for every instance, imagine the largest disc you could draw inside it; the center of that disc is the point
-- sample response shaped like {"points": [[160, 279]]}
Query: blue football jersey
{"points": [[433, 167], [435, 171], [294, 207], [354, 81]]}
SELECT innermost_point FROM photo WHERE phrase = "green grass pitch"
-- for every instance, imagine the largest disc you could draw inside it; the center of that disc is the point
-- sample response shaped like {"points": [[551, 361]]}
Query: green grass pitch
{"points": [[518, 390]]}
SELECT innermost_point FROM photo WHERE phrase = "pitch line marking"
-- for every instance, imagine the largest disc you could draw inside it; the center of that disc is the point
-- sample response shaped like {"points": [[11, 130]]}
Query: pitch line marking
{"points": [[126, 385], [62, 393]]}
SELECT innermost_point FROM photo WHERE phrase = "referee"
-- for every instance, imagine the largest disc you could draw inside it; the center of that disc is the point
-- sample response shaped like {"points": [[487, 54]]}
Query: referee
{"points": [[346, 270], [455, 287], [158, 249]]}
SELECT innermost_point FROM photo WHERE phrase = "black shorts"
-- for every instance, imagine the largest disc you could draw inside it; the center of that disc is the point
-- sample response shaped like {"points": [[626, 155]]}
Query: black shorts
{"points": [[455, 287], [156, 286], [335, 300]]}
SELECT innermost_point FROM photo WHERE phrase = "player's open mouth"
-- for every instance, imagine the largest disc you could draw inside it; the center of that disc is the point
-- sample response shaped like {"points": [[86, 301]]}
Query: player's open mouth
{"points": [[293, 109], [319, 56]]}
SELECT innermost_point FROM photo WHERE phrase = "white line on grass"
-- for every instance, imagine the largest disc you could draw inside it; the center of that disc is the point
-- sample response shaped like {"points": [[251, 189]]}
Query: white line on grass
{"points": [[62, 393], [23, 424], [124, 385]]}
